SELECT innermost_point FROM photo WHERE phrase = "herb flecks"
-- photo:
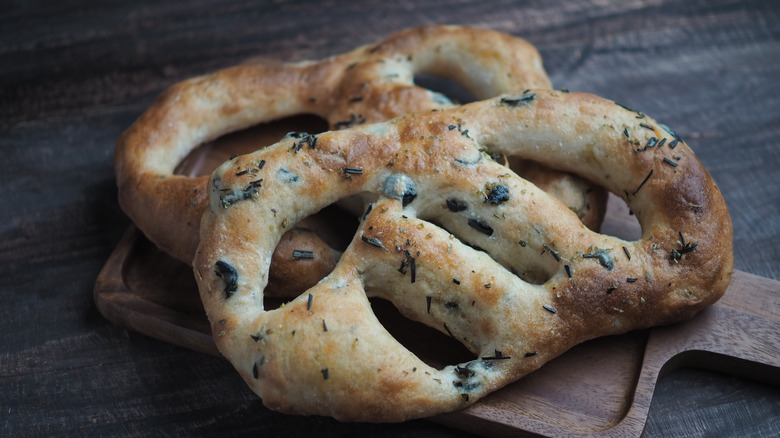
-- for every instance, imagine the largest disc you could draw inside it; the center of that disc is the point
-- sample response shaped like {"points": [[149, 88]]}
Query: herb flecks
{"points": [[410, 262], [685, 247], [302, 254], [367, 212], [523, 99], [464, 371], [552, 252], [481, 226], [603, 257], [448, 331], [643, 182], [355, 119], [497, 194], [229, 276], [304, 139], [498, 355], [229, 197], [373, 241]]}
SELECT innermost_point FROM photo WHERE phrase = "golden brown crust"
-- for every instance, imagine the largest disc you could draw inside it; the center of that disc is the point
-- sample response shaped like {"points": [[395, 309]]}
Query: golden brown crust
{"points": [[369, 84], [325, 353]]}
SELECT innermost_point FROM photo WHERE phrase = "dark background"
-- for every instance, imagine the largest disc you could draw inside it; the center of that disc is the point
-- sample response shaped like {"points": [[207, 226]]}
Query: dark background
{"points": [[74, 75]]}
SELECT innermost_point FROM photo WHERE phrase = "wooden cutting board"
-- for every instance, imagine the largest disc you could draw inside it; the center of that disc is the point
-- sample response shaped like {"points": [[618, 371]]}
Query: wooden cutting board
{"points": [[602, 387]]}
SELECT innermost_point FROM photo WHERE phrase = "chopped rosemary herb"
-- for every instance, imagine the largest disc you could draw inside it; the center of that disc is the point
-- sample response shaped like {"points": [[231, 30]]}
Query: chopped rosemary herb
{"points": [[552, 251], [603, 257], [625, 250], [301, 254], [518, 100], [324, 327], [463, 371], [308, 303], [568, 270], [677, 254], [531, 353], [670, 162], [549, 309], [428, 303], [368, 210], [497, 356], [643, 182], [355, 119], [631, 280], [646, 126], [325, 374], [373, 241], [353, 171], [456, 281], [480, 226], [411, 262], [243, 172], [448, 331], [229, 197]]}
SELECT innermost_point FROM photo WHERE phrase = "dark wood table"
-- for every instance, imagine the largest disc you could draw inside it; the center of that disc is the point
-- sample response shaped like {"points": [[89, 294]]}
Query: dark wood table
{"points": [[75, 74]]}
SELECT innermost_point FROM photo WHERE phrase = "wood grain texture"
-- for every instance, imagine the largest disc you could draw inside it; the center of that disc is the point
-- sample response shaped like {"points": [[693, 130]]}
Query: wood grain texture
{"points": [[75, 74]]}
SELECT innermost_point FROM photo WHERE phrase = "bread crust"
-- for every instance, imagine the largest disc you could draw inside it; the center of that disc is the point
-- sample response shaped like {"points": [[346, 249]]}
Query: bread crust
{"points": [[454, 256]]}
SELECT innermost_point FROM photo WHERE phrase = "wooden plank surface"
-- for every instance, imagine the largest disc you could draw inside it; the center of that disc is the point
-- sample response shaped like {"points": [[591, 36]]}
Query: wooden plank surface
{"points": [[74, 74], [602, 387]]}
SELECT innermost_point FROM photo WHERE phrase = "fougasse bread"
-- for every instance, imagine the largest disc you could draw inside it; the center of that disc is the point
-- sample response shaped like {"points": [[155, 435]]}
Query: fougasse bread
{"points": [[459, 242]]}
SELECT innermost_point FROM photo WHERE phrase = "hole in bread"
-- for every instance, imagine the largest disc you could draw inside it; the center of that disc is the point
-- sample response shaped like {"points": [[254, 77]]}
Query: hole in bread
{"points": [[206, 157], [619, 221], [431, 346], [309, 250], [452, 90]]}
